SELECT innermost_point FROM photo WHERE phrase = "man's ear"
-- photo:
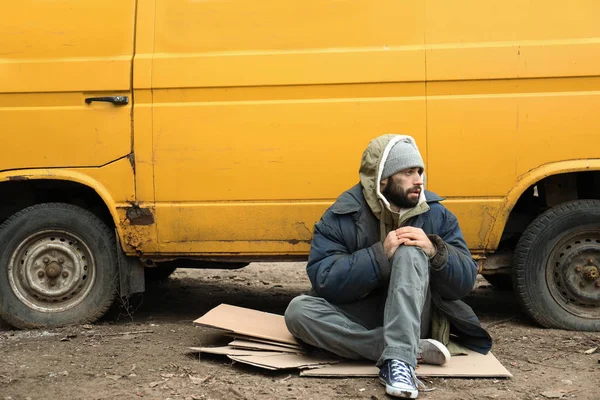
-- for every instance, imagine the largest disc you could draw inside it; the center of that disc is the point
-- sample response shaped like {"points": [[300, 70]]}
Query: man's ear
{"points": [[382, 184]]}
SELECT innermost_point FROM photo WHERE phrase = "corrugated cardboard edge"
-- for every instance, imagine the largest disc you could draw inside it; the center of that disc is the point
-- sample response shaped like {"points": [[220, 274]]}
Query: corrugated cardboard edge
{"points": [[283, 361], [265, 341], [474, 365], [252, 345], [230, 351], [356, 369]]}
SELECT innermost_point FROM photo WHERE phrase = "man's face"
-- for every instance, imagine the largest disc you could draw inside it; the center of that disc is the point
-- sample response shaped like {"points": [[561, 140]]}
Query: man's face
{"points": [[403, 188]]}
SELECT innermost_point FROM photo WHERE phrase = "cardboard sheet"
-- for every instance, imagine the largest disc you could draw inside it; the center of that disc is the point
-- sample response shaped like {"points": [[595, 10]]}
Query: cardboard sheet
{"points": [[473, 365], [248, 322], [283, 361], [252, 345], [230, 351], [262, 340], [272, 360]]}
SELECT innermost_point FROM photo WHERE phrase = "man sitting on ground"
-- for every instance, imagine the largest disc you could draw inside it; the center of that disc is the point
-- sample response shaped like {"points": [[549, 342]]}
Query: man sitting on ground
{"points": [[388, 267]]}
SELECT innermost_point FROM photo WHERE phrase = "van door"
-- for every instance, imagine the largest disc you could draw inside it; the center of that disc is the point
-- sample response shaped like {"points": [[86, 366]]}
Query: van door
{"points": [[262, 110], [53, 56]]}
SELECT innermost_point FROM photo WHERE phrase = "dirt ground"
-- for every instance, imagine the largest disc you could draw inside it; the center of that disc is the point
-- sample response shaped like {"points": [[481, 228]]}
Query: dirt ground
{"points": [[104, 362]]}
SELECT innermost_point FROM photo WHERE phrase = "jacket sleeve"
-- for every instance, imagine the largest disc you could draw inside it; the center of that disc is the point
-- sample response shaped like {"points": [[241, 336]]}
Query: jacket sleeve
{"points": [[336, 273], [453, 271]]}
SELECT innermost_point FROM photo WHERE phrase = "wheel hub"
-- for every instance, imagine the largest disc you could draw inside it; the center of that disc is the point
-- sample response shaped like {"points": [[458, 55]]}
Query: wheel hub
{"points": [[573, 276], [580, 285], [590, 273], [51, 271]]}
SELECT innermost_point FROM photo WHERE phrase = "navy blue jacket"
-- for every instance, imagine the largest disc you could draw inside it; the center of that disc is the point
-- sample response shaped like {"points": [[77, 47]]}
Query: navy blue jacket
{"points": [[347, 261]]}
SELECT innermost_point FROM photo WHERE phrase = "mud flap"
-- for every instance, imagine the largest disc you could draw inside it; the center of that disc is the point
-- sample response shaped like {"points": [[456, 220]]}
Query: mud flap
{"points": [[131, 273]]}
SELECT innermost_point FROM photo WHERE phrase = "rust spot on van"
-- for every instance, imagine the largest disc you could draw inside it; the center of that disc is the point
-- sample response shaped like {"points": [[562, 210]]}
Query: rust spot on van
{"points": [[131, 158], [18, 178], [135, 237], [139, 216], [296, 241]]}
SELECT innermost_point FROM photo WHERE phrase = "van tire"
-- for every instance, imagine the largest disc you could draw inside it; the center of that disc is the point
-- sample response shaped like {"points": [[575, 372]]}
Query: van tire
{"points": [[555, 267], [58, 266]]}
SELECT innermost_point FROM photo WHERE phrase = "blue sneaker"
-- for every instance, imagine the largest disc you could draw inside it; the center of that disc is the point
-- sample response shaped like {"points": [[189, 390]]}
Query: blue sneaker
{"points": [[399, 379]]}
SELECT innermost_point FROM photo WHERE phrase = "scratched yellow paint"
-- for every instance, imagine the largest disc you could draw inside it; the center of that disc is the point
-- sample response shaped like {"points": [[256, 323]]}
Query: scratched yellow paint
{"points": [[247, 119]]}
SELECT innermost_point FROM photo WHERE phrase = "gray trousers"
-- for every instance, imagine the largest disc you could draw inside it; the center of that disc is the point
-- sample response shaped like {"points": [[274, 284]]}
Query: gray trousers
{"points": [[378, 327]]}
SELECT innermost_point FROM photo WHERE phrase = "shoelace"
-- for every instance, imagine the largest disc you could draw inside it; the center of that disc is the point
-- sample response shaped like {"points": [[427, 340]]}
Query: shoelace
{"points": [[404, 373]]}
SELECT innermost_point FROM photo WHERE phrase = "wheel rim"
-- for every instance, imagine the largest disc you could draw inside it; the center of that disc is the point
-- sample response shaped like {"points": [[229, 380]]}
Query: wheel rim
{"points": [[573, 273], [52, 271]]}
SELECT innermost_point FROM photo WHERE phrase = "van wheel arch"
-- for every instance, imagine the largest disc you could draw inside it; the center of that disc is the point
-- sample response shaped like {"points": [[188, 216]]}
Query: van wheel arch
{"points": [[18, 195]]}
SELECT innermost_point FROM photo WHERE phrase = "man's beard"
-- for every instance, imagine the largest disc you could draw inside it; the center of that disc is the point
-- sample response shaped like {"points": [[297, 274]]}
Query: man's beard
{"points": [[399, 197]]}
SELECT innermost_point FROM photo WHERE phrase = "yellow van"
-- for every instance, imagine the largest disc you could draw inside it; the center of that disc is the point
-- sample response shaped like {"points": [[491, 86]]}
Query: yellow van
{"points": [[220, 131]]}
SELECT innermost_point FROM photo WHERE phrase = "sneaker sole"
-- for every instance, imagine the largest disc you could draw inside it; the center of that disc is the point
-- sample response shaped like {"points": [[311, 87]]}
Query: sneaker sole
{"points": [[443, 349], [392, 391]]}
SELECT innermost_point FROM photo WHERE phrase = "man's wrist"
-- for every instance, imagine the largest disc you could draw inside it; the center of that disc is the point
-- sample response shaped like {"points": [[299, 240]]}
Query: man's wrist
{"points": [[433, 252], [440, 258]]}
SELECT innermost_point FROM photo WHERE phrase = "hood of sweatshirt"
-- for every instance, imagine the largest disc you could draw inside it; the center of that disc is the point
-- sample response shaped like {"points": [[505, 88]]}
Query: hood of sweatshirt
{"points": [[370, 172]]}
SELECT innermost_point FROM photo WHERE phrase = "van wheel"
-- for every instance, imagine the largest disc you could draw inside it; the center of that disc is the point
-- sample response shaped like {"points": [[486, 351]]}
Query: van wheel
{"points": [[58, 266], [556, 267]]}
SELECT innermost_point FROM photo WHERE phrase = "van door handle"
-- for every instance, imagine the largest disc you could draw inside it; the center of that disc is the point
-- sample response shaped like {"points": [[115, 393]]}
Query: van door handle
{"points": [[116, 100]]}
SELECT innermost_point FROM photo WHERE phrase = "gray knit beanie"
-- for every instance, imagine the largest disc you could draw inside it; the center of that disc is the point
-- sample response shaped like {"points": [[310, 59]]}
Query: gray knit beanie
{"points": [[402, 155]]}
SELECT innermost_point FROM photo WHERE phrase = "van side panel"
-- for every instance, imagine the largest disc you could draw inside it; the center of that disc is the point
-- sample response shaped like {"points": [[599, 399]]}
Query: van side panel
{"points": [[253, 102], [511, 85], [54, 55]]}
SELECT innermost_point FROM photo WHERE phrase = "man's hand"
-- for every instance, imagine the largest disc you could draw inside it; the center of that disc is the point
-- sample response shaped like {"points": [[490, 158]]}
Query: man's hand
{"points": [[391, 244], [411, 236]]}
